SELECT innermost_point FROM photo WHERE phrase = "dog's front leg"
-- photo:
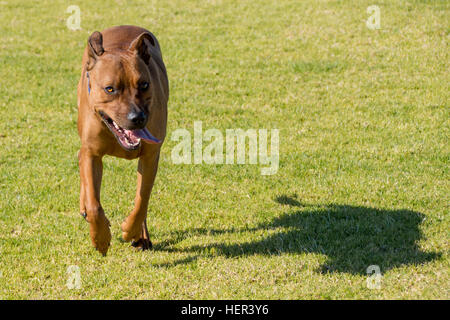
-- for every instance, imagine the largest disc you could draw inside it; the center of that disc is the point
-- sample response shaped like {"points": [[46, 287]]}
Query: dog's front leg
{"points": [[91, 169], [134, 227]]}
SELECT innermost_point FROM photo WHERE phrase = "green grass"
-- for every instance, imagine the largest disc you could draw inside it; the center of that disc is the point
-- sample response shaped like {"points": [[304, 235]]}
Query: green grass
{"points": [[364, 153]]}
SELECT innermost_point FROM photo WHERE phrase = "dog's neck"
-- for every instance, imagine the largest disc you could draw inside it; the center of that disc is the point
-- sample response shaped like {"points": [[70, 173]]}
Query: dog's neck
{"points": [[88, 82]]}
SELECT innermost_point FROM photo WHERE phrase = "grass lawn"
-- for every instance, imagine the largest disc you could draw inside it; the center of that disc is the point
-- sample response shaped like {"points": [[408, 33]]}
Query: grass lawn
{"points": [[363, 178]]}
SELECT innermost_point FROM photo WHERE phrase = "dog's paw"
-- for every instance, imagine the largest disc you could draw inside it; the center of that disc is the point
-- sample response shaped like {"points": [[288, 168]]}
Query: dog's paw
{"points": [[100, 234], [142, 244], [131, 230]]}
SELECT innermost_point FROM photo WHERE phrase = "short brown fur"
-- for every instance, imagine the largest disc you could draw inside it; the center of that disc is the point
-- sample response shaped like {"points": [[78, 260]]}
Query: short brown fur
{"points": [[121, 56]]}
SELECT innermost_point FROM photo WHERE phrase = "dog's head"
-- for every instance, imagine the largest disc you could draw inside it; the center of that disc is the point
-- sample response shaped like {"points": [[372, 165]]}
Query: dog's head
{"points": [[120, 88]]}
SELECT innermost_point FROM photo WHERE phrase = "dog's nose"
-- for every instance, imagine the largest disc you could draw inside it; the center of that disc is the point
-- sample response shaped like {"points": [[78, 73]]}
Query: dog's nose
{"points": [[137, 118]]}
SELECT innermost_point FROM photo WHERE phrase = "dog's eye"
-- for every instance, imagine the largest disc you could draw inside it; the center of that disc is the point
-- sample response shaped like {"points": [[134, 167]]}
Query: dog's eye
{"points": [[110, 90], [143, 86]]}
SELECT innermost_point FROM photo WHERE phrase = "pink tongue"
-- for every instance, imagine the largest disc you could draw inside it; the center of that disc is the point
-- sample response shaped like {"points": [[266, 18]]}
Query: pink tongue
{"points": [[145, 135]]}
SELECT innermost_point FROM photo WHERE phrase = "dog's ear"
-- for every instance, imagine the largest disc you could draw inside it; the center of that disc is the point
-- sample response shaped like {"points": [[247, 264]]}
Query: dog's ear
{"points": [[95, 48], [141, 45]]}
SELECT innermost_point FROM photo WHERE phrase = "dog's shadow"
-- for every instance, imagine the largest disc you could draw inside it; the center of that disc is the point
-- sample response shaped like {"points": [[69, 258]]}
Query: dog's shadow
{"points": [[352, 237]]}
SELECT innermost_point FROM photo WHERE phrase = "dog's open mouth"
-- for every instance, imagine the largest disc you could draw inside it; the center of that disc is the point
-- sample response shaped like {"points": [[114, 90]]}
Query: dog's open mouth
{"points": [[128, 139]]}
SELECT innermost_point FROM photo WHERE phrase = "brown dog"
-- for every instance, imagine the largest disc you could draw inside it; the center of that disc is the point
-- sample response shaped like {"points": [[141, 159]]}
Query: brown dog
{"points": [[122, 97]]}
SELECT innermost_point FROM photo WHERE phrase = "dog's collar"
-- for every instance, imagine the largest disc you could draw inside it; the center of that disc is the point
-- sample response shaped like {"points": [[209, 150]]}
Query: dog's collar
{"points": [[88, 82]]}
